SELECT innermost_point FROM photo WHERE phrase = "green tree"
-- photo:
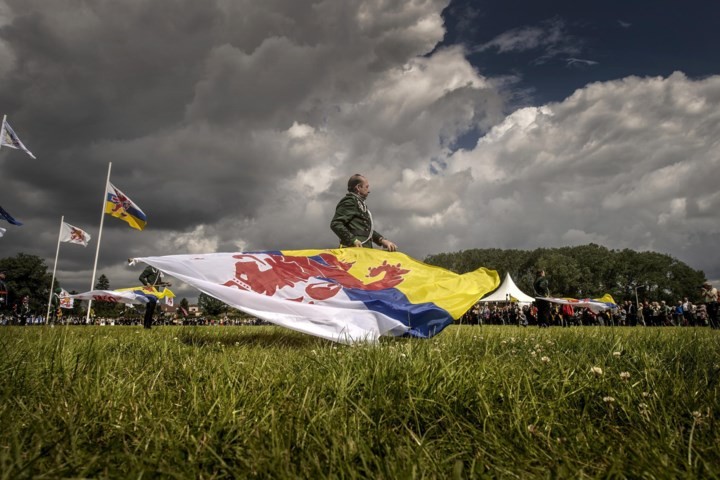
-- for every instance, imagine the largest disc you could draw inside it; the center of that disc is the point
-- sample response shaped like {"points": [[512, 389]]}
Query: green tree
{"points": [[26, 275], [210, 305], [104, 309], [185, 305]]}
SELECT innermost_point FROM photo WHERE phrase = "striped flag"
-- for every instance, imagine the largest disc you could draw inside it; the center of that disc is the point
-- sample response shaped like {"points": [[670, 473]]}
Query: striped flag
{"points": [[120, 206]]}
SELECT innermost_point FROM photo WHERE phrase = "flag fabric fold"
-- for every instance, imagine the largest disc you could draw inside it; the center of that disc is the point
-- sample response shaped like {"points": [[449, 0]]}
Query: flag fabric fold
{"points": [[132, 295], [4, 214], [345, 295], [120, 206], [8, 138], [606, 302], [71, 234]]}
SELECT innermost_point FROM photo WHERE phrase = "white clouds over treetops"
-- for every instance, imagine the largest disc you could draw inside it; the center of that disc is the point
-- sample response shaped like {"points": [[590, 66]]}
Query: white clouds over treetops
{"points": [[630, 164], [236, 126]]}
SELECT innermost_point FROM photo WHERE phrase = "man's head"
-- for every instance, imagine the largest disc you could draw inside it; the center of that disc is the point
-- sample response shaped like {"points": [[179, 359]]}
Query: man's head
{"points": [[540, 273], [359, 186]]}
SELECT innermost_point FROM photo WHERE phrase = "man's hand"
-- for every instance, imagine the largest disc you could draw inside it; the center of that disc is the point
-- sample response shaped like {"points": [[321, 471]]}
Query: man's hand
{"points": [[390, 246], [357, 243]]}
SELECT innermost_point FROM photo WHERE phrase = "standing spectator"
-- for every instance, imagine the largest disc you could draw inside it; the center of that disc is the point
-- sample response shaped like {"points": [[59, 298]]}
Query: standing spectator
{"points": [[542, 289], [710, 299]]}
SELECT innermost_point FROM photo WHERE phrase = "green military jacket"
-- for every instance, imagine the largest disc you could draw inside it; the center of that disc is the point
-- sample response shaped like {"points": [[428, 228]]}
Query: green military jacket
{"points": [[541, 287], [352, 220], [150, 276]]}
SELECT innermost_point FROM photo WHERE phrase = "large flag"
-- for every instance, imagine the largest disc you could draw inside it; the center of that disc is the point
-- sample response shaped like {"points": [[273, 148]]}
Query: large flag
{"points": [[119, 205], [346, 295], [606, 302], [8, 217], [132, 295], [8, 138], [71, 234]]}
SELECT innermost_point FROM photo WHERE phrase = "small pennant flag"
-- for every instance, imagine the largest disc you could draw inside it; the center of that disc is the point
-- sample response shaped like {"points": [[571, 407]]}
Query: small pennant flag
{"points": [[8, 217], [8, 138], [71, 234], [120, 206]]}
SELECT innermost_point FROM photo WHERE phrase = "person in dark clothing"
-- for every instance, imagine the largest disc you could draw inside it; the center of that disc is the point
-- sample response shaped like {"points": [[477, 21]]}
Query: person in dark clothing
{"points": [[352, 222], [150, 277], [542, 290]]}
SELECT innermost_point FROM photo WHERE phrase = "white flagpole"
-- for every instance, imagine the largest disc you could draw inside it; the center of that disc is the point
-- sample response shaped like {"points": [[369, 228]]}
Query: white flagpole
{"points": [[97, 249], [52, 282]]}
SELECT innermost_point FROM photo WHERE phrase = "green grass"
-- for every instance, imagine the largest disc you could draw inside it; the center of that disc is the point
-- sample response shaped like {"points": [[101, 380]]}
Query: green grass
{"points": [[474, 402]]}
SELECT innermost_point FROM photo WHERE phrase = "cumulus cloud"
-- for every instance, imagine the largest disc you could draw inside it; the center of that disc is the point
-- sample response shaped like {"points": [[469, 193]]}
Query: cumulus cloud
{"points": [[624, 163]]}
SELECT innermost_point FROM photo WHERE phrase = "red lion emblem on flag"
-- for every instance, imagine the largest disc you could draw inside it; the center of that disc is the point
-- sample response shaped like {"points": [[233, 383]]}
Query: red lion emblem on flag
{"points": [[268, 274]]}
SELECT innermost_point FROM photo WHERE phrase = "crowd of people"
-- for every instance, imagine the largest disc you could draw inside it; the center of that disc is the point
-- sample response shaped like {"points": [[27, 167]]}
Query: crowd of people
{"points": [[644, 314]]}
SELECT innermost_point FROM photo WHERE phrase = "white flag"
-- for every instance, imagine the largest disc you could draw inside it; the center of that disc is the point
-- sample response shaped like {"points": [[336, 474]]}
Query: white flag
{"points": [[2, 231], [169, 301], [71, 234], [65, 300], [8, 138]]}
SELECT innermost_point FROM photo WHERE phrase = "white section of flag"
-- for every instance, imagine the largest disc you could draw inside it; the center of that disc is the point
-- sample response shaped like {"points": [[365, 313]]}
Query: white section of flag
{"points": [[8, 138], [2, 231], [71, 234]]}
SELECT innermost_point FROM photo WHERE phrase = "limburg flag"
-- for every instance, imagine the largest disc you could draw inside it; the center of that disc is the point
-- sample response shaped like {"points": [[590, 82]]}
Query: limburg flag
{"points": [[346, 295], [119, 205]]}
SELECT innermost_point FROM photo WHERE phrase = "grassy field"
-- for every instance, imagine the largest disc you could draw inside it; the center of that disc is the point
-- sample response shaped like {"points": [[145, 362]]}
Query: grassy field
{"points": [[474, 402]]}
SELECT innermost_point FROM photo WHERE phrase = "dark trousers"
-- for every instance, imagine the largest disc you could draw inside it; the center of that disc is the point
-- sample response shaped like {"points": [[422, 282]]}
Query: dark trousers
{"points": [[543, 307], [149, 310]]}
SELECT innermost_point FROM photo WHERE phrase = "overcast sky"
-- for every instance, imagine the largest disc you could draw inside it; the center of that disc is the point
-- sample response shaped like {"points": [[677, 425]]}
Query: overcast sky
{"points": [[235, 125]]}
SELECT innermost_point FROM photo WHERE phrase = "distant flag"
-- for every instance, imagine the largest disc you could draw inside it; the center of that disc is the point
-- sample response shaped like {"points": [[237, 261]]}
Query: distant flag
{"points": [[2, 232], [71, 234], [65, 300], [8, 138], [185, 312], [120, 206], [169, 301], [8, 217]]}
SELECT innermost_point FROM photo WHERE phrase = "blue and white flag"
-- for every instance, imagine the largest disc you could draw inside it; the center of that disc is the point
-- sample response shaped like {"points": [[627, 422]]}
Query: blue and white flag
{"points": [[8, 138], [2, 232], [5, 215]]}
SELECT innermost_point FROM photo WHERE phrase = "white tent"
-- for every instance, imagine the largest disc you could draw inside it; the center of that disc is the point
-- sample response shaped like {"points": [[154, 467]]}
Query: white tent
{"points": [[508, 292]]}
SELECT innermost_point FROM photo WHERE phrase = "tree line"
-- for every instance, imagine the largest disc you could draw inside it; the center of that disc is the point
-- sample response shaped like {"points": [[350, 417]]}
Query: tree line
{"points": [[586, 271]]}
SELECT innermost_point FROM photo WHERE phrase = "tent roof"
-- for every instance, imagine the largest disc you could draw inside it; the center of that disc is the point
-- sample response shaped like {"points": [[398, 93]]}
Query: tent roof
{"points": [[506, 290]]}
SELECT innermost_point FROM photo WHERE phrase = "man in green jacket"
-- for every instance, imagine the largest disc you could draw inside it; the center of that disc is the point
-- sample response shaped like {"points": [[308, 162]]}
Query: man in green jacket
{"points": [[150, 277], [352, 222], [542, 290]]}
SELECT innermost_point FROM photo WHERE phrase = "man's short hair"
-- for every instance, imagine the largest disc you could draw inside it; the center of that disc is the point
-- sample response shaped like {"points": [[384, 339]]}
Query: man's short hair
{"points": [[354, 181]]}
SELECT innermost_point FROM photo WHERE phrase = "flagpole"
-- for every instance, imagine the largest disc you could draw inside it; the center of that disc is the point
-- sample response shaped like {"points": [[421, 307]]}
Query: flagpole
{"points": [[97, 249], [52, 282]]}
